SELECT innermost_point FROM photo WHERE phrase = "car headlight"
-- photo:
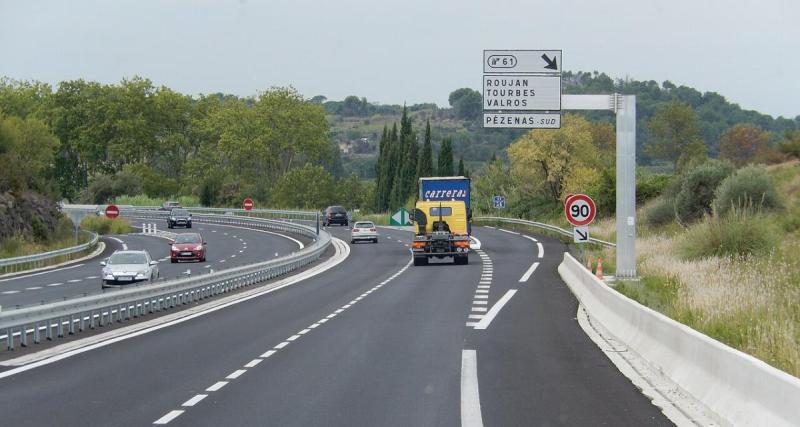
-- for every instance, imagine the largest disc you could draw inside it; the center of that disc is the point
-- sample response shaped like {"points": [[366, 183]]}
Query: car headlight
{"points": [[172, 218], [141, 274], [198, 248], [174, 248]]}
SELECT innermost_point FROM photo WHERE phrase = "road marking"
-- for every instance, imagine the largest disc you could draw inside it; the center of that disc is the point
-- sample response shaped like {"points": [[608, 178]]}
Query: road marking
{"points": [[487, 320], [470, 397], [508, 231], [541, 249], [195, 400], [282, 345], [476, 316], [480, 302], [303, 332], [118, 240], [481, 291], [330, 316], [313, 326], [222, 260], [529, 238], [323, 320], [74, 280], [92, 277], [125, 248], [268, 354], [485, 282], [471, 324], [33, 288], [482, 296], [55, 284], [235, 374], [528, 273], [169, 417], [479, 309], [253, 363], [233, 256], [40, 273], [10, 292], [483, 286], [293, 337], [217, 386]]}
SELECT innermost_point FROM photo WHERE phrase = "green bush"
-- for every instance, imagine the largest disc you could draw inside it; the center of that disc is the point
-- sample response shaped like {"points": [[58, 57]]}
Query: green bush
{"points": [[741, 232], [660, 212], [749, 187], [102, 225], [697, 187]]}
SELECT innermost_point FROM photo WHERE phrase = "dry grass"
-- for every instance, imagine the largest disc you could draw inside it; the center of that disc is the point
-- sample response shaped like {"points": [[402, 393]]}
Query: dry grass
{"points": [[748, 303]]}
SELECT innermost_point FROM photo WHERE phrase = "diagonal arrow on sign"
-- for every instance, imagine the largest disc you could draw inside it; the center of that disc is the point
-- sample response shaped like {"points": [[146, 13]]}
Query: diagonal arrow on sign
{"points": [[581, 234], [552, 64]]}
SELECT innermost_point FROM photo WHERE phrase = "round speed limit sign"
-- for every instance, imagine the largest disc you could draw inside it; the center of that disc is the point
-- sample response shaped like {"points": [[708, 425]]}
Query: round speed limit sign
{"points": [[580, 210]]}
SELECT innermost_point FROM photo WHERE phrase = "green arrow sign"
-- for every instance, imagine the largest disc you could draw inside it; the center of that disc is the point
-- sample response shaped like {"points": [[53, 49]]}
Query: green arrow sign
{"points": [[401, 217]]}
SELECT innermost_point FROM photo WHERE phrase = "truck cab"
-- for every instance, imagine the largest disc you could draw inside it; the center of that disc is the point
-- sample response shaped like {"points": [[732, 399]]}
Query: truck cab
{"points": [[442, 230]]}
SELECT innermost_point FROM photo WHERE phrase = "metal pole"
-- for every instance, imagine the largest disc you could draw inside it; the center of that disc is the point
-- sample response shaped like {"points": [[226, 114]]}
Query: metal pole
{"points": [[626, 185]]}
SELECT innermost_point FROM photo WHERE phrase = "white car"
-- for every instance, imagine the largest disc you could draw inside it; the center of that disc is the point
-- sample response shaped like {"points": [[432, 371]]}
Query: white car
{"points": [[364, 230], [128, 267]]}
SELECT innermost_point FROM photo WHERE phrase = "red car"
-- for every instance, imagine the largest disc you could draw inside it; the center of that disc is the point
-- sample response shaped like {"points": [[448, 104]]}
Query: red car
{"points": [[188, 247]]}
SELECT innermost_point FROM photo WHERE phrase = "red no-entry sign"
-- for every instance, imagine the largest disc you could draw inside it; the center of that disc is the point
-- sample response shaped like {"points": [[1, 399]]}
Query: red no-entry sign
{"points": [[580, 210], [248, 204], [112, 211]]}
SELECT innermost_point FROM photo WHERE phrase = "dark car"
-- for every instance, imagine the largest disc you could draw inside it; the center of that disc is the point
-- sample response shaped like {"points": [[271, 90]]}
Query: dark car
{"points": [[179, 218], [169, 205], [188, 247], [335, 215]]}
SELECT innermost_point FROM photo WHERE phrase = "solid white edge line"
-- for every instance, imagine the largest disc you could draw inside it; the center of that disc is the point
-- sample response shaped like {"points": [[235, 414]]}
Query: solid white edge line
{"points": [[470, 397], [342, 253], [41, 272], [487, 319], [169, 417], [528, 273]]}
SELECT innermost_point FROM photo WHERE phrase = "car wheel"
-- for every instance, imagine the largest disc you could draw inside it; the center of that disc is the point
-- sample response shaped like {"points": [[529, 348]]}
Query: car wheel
{"points": [[173, 261], [375, 240], [103, 284], [189, 225], [203, 259]]}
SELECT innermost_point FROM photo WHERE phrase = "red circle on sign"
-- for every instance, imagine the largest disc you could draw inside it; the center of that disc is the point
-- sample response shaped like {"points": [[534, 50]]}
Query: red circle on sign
{"points": [[580, 210], [248, 204], [112, 211]]}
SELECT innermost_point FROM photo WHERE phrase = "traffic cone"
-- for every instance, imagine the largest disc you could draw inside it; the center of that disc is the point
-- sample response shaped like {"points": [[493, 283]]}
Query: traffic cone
{"points": [[599, 273]]}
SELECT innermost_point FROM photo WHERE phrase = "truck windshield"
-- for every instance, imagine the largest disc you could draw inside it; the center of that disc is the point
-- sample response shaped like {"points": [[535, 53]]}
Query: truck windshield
{"points": [[446, 211]]}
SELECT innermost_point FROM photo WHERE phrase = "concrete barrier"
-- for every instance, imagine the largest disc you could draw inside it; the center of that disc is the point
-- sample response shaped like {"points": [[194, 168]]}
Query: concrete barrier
{"points": [[737, 387]]}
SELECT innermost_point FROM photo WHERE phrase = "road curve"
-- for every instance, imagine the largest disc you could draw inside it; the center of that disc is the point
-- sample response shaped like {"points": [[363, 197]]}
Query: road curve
{"points": [[373, 341]]}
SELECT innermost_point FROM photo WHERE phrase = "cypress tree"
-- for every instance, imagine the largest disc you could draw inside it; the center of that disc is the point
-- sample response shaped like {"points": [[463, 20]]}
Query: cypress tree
{"points": [[446, 158], [426, 156], [381, 172], [461, 171]]}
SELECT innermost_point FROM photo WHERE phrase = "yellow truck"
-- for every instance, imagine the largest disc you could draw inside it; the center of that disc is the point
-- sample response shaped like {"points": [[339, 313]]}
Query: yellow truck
{"points": [[442, 230]]}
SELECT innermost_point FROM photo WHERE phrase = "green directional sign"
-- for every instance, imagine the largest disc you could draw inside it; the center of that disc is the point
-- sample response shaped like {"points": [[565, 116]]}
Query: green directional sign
{"points": [[400, 217]]}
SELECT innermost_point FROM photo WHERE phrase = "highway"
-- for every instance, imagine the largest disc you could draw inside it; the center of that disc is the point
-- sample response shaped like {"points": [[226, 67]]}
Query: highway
{"points": [[227, 247], [372, 341]]}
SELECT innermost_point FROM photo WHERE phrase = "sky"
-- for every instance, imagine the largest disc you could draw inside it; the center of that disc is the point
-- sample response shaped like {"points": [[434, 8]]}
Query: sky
{"points": [[404, 51]]}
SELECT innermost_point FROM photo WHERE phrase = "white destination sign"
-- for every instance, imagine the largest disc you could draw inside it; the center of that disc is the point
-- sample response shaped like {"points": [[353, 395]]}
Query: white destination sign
{"points": [[522, 61], [532, 92], [522, 120]]}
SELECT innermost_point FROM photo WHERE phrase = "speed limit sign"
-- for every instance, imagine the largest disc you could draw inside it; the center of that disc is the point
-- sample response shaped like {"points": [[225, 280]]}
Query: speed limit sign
{"points": [[580, 210]]}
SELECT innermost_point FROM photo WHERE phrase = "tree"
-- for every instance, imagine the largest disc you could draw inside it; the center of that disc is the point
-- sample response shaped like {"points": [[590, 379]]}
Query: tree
{"points": [[404, 184], [554, 156], [445, 158], [309, 187], [353, 191], [26, 154], [461, 170], [743, 143], [425, 167], [466, 103], [319, 99], [675, 134]]}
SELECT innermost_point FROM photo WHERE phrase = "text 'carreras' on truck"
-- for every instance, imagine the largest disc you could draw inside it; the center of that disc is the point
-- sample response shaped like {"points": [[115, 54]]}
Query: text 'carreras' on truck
{"points": [[442, 219]]}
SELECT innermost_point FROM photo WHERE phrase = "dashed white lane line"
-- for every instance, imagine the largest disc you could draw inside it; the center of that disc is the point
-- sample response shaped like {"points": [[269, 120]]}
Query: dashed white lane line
{"points": [[470, 397], [235, 374], [508, 231], [529, 238], [253, 363], [528, 273], [282, 345], [169, 417], [541, 249], [40, 273], [218, 385], [490, 315], [74, 280], [479, 309], [33, 288], [480, 302], [481, 291], [303, 332], [195, 400], [483, 286], [268, 354], [482, 296], [292, 338], [9, 292], [92, 277], [52, 285]]}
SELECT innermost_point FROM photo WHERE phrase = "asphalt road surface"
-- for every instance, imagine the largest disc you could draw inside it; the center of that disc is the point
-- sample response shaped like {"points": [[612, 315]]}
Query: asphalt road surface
{"points": [[373, 341]]}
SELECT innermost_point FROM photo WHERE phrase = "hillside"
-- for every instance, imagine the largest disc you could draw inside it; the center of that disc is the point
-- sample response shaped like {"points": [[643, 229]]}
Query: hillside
{"points": [[356, 124]]}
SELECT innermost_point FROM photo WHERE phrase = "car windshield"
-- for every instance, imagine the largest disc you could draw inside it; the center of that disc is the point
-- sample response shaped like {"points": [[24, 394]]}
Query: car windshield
{"points": [[364, 225], [446, 211], [187, 238], [337, 209], [181, 212], [127, 258]]}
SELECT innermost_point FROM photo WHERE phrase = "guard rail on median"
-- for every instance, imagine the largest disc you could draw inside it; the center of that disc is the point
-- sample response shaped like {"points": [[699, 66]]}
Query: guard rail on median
{"points": [[75, 315], [25, 262], [544, 226]]}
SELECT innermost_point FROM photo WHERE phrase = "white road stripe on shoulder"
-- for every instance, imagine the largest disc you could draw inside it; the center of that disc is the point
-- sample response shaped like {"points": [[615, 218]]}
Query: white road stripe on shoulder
{"points": [[541, 249], [528, 273], [487, 319], [470, 397]]}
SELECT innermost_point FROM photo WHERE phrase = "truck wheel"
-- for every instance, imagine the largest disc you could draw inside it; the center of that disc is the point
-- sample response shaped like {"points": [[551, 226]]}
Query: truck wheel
{"points": [[420, 261]]}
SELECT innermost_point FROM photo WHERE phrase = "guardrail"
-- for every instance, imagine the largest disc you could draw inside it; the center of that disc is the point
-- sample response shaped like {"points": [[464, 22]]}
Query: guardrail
{"points": [[736, 386], [544, 226], [75, 315], [26, 262]]}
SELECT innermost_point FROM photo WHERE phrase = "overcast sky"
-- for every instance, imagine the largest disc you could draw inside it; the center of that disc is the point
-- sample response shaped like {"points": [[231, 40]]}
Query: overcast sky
{"points": [[404, 51]]}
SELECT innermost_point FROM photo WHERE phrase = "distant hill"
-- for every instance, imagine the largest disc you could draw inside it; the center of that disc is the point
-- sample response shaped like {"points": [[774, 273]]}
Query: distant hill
{"points": [[356, 124]]}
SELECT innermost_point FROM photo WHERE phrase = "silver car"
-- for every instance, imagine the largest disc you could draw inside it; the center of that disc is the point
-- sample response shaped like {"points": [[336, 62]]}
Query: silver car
{"points": [[128, 267]]}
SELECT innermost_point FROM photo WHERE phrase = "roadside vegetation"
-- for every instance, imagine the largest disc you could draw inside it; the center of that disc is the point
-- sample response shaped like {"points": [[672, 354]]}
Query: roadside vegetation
{"points": [[102, 225], [62, 237]]}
